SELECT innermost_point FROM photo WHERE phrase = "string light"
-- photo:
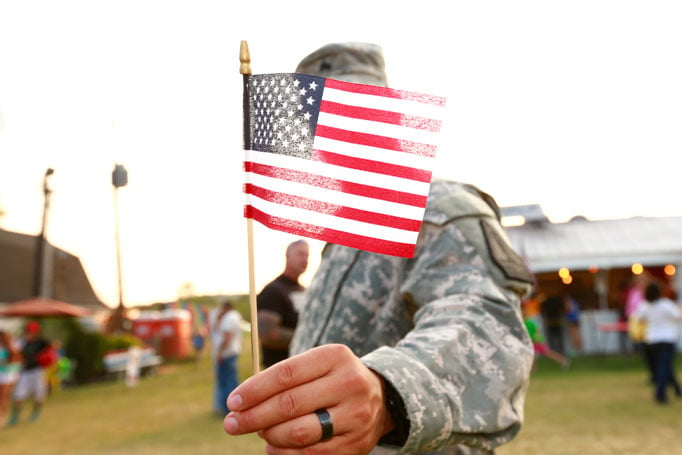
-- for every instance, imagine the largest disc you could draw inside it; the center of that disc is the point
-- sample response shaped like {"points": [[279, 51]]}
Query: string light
{"points": [[669, 270]]}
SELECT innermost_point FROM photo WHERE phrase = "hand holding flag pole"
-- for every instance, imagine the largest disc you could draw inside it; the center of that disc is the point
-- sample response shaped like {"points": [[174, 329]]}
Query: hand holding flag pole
{"points": [[245, 70]]}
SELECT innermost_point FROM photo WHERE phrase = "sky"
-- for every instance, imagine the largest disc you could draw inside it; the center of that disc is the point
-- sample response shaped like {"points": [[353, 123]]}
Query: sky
{"points": [[576, 106]]}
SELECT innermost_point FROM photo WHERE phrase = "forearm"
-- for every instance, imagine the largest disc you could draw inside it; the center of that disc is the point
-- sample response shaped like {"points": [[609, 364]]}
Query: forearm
{"points": [[272, 334], [277, 338], [474, 386]]}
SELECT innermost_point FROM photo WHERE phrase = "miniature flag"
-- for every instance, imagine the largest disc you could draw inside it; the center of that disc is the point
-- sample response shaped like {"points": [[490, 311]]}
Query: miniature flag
{"points": [[344, 163]]}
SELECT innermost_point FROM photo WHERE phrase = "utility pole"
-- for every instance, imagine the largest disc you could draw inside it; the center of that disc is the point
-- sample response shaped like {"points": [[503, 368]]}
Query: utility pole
{"points": [[119, 178], [40, 247]]}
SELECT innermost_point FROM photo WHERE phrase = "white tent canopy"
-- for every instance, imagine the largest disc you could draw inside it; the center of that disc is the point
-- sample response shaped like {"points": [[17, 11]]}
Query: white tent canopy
{"points": [[581, 244]]}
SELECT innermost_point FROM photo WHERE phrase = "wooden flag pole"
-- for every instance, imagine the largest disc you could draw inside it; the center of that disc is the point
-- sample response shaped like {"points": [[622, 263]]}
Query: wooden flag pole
{"points": [[245, 70]]}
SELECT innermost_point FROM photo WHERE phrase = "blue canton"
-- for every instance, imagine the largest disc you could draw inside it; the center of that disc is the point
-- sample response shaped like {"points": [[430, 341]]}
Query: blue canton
{"points": [[283, 112]]}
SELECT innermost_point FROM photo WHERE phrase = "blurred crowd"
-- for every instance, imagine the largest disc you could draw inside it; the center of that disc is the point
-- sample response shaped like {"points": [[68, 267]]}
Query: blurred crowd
{"points": [[31, 367]]}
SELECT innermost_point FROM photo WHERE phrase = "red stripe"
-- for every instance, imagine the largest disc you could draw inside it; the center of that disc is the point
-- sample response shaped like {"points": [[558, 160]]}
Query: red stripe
{"points": [[373, 140], [361, 242], [386, 92], [379, 115], [374, 192], [378, 167], [327, 208]]}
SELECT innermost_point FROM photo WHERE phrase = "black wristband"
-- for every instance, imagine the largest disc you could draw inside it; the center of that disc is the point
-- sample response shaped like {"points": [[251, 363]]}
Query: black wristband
{"points": [[396, 409]]}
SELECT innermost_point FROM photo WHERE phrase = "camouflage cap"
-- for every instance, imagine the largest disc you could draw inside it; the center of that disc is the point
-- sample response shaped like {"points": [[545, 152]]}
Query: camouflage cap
{"points": [[361, 63]]}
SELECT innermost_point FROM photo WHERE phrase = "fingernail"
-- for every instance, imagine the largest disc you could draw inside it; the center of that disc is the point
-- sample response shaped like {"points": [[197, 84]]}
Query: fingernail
{"points": [[234, 402], [231, 425]]}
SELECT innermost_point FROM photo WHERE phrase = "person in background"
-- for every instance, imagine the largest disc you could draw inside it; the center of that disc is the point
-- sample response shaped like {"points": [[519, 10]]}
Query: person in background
{"points": [[214, 316], [198, 342], [423, 354], [541, 347], [277, 314], [10, 365], [37, 355], [59, 370], [634, 295], [662, 317], [227, 345], [553, 313], [572, 314], [634, 298], [531, 308]]}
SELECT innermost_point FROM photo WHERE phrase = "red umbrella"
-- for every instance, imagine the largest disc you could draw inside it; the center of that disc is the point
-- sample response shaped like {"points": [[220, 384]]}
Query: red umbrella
{"points": [[38, 306]]}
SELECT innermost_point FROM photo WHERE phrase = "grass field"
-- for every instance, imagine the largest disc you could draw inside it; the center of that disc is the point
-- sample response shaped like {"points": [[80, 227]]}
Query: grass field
{"points": [[599, 406]]}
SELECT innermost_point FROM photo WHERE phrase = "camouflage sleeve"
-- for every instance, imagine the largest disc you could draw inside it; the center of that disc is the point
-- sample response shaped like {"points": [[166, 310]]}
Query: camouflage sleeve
{"points": [[463, 369]]}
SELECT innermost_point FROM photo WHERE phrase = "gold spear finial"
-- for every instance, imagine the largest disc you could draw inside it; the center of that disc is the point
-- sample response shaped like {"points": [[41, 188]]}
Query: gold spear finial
{"points": [[244, 58]]}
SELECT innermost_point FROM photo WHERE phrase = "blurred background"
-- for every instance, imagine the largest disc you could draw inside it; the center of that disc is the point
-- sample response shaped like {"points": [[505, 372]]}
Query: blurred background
{"points": [[574, 107], [121, 188]]}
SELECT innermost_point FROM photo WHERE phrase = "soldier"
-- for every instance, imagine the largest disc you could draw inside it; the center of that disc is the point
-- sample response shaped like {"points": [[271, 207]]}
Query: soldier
{"points": [[396, 355]]}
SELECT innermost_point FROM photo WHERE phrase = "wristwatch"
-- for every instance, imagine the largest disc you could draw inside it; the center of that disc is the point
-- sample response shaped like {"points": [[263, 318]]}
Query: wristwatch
{"points": [[396, 409]]}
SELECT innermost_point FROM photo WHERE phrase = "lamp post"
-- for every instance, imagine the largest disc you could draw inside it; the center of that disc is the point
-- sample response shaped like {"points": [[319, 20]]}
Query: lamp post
{"points": [[40, 247], [119, 178]]}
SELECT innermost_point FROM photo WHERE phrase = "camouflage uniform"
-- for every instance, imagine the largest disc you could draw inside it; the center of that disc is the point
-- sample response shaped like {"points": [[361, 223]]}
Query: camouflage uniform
{"points": [[444, 328]]}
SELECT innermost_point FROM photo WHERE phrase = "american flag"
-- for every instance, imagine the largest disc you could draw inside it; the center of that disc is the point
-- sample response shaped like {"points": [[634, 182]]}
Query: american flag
{"points": [[344, 163]]}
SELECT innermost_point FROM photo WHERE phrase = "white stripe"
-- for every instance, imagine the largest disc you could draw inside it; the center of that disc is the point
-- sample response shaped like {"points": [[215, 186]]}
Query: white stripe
{"points": [[336, 197], [374, 153], [339, 172], [333, 222], [408, 107], [378, 128]]}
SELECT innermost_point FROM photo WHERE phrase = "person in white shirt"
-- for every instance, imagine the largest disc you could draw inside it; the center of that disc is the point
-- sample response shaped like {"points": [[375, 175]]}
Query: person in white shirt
{"points": [[227, 345], [662, 317]]}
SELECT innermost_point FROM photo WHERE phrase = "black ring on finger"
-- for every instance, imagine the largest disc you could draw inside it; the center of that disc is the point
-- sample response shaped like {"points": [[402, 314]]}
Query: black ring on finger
{"points": [[326, 422]]}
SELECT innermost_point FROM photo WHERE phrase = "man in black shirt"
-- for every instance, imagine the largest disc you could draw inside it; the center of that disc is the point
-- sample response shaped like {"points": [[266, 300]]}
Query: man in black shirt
{"points": [[36, 354], [277, 314]]}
